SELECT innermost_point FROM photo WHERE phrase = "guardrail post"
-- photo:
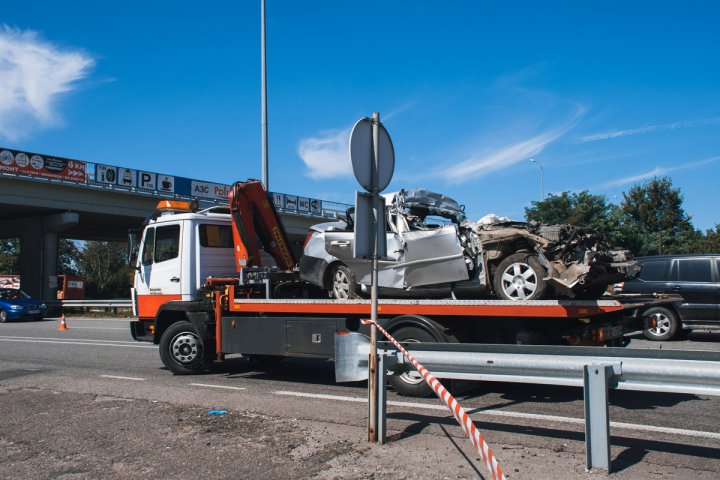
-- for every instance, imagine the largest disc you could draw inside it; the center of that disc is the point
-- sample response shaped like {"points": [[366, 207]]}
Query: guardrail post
{"points": [[382, 398], [597, 418]]}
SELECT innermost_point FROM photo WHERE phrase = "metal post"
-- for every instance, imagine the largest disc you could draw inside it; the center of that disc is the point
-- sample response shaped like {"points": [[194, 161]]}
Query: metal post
{"points": [[372, 387], [597, 417], [542, 179], [263, 94], [382, 398]]}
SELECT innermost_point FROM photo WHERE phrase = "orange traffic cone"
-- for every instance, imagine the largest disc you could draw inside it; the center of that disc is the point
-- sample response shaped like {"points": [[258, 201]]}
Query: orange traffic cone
{"points": [[63, 325]]}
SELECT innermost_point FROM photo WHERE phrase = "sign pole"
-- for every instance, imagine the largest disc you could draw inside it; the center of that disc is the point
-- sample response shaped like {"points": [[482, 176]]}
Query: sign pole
{"points": [[373, 160], [372, 390]]}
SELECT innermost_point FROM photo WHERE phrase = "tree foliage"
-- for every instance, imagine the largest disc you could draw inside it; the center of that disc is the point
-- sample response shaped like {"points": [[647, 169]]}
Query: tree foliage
{"points": [[650, 219], [9, 255], [105, 268], [582, 209], [660, 224]]}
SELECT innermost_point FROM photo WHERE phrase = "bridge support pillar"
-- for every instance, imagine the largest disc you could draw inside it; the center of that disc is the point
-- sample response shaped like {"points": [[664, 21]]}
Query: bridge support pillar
{"points": [[39, 251]]}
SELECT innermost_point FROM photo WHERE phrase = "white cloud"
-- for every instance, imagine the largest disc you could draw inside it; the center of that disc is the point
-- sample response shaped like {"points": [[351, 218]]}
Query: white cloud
{"points": [[648, 129], [480, 164], [33, 75], [657, 172], [328, 155]]}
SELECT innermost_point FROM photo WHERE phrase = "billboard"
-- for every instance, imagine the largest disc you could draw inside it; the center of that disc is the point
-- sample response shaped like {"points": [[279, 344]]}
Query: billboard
{"points": [[28, 163]]}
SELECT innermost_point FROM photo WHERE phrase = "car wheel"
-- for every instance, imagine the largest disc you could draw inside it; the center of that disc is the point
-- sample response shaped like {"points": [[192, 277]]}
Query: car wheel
{"points": [[666, 324], [3, 316], [182, 350], [343, 283], [406, 384], [520, 277]]}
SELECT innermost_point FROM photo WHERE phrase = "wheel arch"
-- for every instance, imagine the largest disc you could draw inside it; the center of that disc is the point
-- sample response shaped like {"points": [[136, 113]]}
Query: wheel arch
{"points": [[173, 312], [328, 273], [438, 331]]}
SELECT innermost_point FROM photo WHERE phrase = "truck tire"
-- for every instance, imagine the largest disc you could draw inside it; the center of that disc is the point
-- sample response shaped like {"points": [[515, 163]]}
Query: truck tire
{"points": [[520, 277], [666, 324], [182, 350], [404, 384]]}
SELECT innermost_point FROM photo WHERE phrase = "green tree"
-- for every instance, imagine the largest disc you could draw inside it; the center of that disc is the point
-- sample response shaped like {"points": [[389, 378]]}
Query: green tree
{"points": [[706, 243], [68, 257], [582, 209], [654, 212], [104, 266], [9, 255]]}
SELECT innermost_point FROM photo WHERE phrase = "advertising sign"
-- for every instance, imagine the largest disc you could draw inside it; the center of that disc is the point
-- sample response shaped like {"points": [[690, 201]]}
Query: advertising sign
{"points": [[26, 163], [303, 204], [147, 180], [209, 190], [106, 174], [166, 183], [291, 202], [126, 177], [278, 199]]}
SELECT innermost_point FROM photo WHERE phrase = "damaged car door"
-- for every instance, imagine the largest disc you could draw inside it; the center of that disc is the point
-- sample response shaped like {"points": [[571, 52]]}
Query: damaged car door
{"points": [[414, 257]]}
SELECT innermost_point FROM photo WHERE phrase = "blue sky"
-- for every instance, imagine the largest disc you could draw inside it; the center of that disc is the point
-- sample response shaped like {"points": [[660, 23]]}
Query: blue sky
{"points": [[602, 94]]}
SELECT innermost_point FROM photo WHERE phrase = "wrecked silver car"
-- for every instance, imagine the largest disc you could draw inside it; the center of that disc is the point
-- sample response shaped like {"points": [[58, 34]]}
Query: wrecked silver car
{"points": [[434, 251]]}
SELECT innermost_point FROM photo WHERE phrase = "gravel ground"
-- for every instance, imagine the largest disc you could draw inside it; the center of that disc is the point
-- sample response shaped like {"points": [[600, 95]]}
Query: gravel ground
{"points": [[47, 434]]}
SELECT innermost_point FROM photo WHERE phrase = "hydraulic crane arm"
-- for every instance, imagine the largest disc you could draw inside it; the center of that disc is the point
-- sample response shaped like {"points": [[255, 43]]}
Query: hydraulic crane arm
{"points": [[254, 218]]}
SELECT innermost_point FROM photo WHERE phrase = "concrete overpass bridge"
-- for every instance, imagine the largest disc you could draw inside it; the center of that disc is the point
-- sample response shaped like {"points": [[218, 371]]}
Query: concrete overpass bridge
{"points": [[84, 201]]}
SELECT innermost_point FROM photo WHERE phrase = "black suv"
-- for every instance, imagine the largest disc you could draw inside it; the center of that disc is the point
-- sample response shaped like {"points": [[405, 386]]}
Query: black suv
{"points": [[694, 277]]}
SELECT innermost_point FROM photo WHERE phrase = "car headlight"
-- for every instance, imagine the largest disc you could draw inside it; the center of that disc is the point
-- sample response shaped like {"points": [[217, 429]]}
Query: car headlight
{"points": [[42, 305], [16, 307]]}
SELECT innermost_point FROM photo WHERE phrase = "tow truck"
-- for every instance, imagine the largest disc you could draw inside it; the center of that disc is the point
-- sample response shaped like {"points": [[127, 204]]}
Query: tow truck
{"points": [[224, 280]]}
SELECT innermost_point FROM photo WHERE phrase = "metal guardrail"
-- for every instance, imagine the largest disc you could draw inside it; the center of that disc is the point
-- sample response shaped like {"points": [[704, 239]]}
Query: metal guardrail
{"points": [[596, 369], [117, 303]]}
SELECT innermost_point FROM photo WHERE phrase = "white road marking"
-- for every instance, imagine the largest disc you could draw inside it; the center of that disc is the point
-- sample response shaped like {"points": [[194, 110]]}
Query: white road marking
{"points": [[123, 378], [99, 328], [5, 339], [503, 413], [70, 339], [217, 386]]}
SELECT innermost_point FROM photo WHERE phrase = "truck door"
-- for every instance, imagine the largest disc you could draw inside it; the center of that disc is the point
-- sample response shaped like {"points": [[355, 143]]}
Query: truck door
{"points": [[157, 278]]}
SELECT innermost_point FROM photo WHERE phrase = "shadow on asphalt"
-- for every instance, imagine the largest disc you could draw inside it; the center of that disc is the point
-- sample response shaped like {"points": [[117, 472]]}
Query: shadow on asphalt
{"points": [[634, 450]]}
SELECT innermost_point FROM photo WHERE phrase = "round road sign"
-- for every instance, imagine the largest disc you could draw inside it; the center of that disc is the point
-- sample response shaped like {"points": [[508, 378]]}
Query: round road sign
{"points": [[372, 177]]}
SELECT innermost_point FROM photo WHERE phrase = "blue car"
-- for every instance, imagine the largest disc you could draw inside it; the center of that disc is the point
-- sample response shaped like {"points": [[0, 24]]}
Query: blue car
{"points": [[16, 304]]}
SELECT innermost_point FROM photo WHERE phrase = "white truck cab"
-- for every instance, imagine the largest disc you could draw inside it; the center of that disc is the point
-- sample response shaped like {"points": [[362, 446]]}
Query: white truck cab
{"points": [[179, 250]]}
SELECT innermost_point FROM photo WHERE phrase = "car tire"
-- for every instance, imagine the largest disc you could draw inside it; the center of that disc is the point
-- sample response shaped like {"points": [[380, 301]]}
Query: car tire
{"points": [[520, 277], [3, 316], [342, 283], [182, 350], [666, 324], [404, 384]]}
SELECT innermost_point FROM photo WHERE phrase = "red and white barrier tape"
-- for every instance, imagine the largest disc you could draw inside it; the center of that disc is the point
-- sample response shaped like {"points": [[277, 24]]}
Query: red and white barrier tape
{"points": [[458, 412]]}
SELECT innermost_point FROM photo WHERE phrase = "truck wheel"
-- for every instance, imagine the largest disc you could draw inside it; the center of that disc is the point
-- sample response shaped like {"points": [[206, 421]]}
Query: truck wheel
{"points": [[343, 284], [405, 384], [666, 324], [520, 277], [182, 350], [3, 316]]}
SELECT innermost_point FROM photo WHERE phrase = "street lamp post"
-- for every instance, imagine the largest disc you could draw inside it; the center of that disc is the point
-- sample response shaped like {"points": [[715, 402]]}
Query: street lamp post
{"points": [[542, 180]]}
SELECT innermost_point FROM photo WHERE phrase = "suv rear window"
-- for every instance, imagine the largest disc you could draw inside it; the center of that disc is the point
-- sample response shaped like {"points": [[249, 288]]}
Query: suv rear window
{"points": [[655, 270], [695, 270]]}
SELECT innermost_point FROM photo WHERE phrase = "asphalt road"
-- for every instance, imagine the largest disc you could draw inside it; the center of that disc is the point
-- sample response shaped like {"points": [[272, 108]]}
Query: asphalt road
{"points": [[536, 431]]}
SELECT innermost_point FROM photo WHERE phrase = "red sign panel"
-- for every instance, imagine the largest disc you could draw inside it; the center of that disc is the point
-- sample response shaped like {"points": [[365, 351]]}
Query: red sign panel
{"points": [[26, 163]]}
